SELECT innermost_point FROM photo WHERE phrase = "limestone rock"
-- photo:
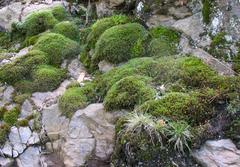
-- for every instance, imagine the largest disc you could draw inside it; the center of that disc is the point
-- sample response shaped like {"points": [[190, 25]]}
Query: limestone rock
{"points": [[221, 153], [30, 158], [91, 132], [27, 109], [7, 149], [6, 162]]}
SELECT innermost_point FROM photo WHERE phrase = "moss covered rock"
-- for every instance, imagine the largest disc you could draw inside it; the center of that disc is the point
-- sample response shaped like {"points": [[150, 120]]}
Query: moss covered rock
{"points": [[120, 43], [39, 22], [21, 68], [47, 78], [57, 47], [128, 92], [68, 29]]}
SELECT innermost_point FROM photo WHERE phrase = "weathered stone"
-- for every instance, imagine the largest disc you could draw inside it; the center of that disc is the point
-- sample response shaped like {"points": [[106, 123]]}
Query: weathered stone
{"points": [[102, 9], [158, 20], [34, 139], [27, 109], [54, 124], [90, 132], [105, 66], [221, 153], [15, 140], [180, 12], [30, 158], [115, 3], [7, 149], [25, 134], [75, 68], [6, 162]]}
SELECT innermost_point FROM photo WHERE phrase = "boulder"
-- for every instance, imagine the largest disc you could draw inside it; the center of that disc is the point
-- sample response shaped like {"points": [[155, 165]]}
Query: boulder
{"points": [[90, 134], [220, 153]]}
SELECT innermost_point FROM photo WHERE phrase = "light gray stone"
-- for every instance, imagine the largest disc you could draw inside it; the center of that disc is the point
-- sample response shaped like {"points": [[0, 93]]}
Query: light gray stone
{"points": [[220, 153], [7, 149], [26, 109], [104, 66], [15, 140], [30, 158]]}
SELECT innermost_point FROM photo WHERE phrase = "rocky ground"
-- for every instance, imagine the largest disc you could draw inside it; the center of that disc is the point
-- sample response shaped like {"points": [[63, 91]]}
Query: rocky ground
{"points": [[89, 136]]}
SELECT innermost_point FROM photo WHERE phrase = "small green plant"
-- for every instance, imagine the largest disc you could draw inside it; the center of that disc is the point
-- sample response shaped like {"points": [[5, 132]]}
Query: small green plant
{"points": [[10, 117], [179, 134], [68, 29], [128, 92], [207, 10], [57, 47]]}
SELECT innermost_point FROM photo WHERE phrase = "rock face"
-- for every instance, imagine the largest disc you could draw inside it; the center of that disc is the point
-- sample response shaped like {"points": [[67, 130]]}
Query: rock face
{"points": [[90, 132], [221, 153]]}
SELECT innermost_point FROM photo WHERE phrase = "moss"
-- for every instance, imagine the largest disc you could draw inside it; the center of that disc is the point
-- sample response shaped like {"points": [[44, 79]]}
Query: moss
{"points": [[25, 86], [72, 100], [21, 68], [11, 116], [68, 29], [160, 48], [127, 93], [236, 63], [60, 13], [57, 47], [3, 110], [23, 123], [19, 99], [207, 10], [194, 73], [84, 34], [177, 106], [4, 130], [117, 44], [233, 130], [5, 40], [39, 22], [47, 78], [138, 66], [103, 24], [165, 33], [73, 84]]}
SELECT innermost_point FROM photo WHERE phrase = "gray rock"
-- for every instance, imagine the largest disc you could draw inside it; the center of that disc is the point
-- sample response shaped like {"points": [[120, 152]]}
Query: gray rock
{"points": [[7, 94], [75, 68], [6, 162], [25, 134], [180, 12], [102, 9], [221, 153], [7, 149], [115, 3], [191, 26], [15, 140], [104, 66], [54, 124], [27, 109], [30, 158], [90, 132], [157, 20], [34, 139]]}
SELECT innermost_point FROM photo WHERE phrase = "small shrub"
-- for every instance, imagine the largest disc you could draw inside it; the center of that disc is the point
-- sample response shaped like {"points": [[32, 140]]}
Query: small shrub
{"points": [[236, 63], [22, 67], [84, 34], [127, 93], [117, 44], [4, 130], [72, 100], [47, 78], [73, 84], [57, 47], [39, 22], [59, 12], [68, 29], [11, 116]]}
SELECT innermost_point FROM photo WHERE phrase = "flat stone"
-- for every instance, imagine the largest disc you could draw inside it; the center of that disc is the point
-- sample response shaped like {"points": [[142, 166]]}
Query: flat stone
{"points": [[34, 139], [25, 134], [15, 140], [30, 158]]}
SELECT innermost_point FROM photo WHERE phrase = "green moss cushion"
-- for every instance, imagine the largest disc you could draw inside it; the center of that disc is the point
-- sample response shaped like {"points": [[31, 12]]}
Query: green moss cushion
{"points": [[118, 43], [57, 47], [68, 29], [127, 93]]}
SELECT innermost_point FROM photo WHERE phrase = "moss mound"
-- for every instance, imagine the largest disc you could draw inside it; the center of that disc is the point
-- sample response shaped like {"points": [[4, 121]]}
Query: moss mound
{"points": [[68, 29], [127, 93], [47, 78], [39, 22], [10, 117], [118, 43], [57, 47], [72, 100], [103, 24], [60, 13], [21, 68]]}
